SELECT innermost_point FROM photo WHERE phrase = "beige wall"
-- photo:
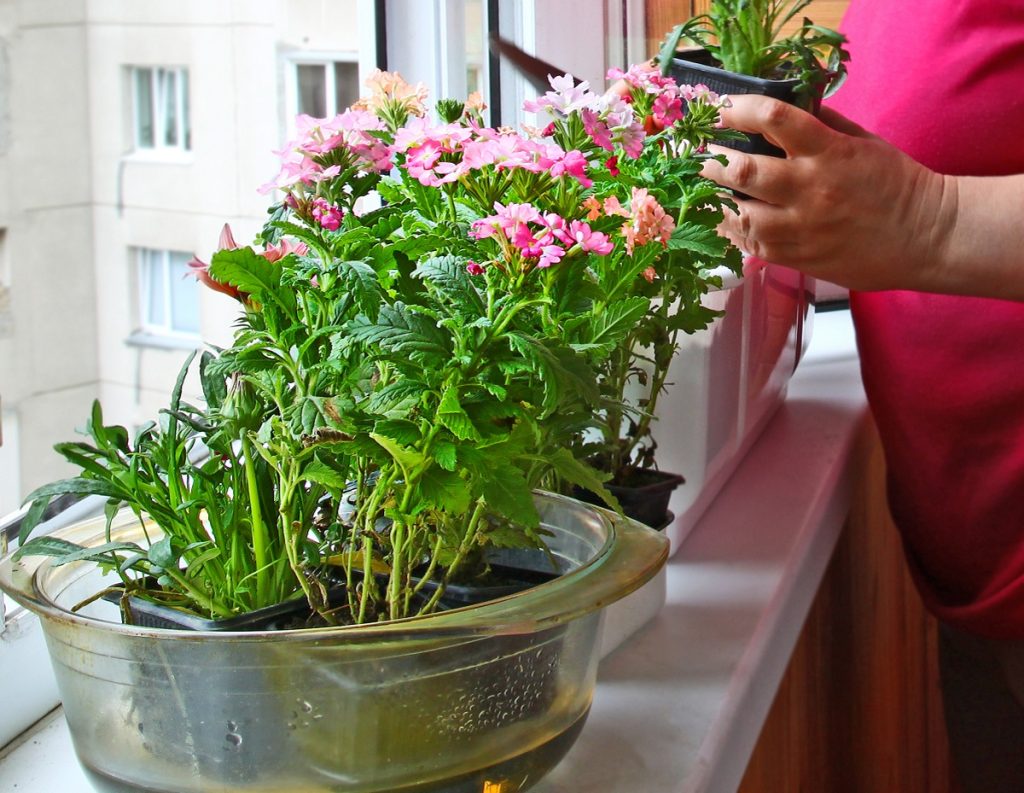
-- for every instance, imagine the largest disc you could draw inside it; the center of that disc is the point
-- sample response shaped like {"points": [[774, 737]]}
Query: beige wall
{"points": [[74, 198]]}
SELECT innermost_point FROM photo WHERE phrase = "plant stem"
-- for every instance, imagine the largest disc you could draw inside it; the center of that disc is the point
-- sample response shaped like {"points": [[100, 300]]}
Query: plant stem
{"points": [[260, 539]]}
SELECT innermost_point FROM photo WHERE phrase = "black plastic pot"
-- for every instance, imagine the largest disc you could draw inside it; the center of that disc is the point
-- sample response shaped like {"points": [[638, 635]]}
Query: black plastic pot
{"points": [[511, 571], [147, 614], [691, 67], [644, 498]]}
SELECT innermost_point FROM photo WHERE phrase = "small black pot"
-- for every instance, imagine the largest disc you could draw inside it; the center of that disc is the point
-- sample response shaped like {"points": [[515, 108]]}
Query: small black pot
{"points": [[512, 571], [644, 498], [691, 67], [147, 614]]}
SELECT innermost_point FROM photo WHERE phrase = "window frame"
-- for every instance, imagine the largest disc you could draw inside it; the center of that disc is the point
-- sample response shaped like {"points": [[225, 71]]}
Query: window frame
{"points": [[327, 60], [142, 257], [157, 109]]}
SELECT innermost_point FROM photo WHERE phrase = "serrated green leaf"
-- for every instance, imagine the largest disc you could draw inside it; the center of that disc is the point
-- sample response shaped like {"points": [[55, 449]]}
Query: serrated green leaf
{"points": [[452, 415], [445, 490], [699, 239], [247, 271], [508, 494], [402, 334], [445, 454], [408, 459], [322, 474]]}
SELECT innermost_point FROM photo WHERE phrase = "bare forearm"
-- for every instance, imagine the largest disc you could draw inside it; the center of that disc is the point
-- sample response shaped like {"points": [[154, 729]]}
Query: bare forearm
{"points": [[983, 252]]}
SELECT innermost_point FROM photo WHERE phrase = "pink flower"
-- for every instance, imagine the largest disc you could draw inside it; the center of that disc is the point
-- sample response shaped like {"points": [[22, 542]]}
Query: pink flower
{"points": [[574, 164], [667, 109], [284, 248], [590, 241], [473, 268], [648, 221], [550, 254], [327, 215]]}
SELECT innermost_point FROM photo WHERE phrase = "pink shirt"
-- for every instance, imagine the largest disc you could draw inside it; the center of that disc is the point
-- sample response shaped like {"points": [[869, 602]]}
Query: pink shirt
{"points": [[944, 81]]}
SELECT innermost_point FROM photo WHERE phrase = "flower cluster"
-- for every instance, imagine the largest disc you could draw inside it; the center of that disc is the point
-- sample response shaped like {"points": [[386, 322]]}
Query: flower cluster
{"points": [[437, 318]]}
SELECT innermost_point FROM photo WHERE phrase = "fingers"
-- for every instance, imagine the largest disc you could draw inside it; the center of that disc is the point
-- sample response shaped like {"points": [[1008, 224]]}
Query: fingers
{"points": [[758, 176], [761, 230], [793, 130], [841, 123]]}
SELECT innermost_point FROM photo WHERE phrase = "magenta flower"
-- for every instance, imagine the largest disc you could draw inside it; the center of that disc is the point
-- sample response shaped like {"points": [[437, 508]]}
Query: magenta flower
{"points": [[327, 215], [473, 268]]}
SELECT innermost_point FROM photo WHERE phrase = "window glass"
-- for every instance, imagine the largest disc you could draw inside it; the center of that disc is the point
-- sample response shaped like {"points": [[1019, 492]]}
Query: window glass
{"points": [[346, 84], [161, 108], [312, 89], [169, 297], [184, 297], [143, 79]]}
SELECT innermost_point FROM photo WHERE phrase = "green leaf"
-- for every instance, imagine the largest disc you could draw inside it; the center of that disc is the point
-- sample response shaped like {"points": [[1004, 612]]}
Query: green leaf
{"points": [[402, 334], [247, 271], [361, 279], [403, 431], [445, 454], [448, 275], [577, 472], [66, 552], [445, 490], [408, 459], [699, 239], [395, 396], [508, 494], [608, 329], [165, 553], [322, 474], [452, 415]]}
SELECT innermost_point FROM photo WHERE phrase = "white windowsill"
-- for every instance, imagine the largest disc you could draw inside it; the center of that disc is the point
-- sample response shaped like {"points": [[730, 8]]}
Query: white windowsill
{"points": [[680, 705], [163, 341], [166, 156]]}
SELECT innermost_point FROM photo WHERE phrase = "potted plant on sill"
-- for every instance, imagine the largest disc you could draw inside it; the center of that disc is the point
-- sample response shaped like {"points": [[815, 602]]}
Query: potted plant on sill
{"points": [[666, 223], [433, 357], [741, 49]]}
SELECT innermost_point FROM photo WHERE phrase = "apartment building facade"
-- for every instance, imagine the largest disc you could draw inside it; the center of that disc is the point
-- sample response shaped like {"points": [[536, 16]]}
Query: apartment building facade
{"points": [[132, 130]]}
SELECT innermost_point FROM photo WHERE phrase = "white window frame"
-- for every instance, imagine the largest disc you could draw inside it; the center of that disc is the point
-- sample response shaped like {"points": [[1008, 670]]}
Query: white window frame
{"points": [[160, 259], [182, 115], [327, 61]]}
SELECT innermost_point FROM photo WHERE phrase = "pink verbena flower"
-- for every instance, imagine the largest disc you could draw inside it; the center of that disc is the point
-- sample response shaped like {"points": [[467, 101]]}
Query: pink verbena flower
{"points": [[564, 98], [667, 109], [591, 241], [648, 221], [327, 215], [644, 76], [473, 268]]}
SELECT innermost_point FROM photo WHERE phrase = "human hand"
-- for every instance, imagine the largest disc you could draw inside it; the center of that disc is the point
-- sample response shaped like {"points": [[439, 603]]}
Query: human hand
{"points": [[843, 205]]}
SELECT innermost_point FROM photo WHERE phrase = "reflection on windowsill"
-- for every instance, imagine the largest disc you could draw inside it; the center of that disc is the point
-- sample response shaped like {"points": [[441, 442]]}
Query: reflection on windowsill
{"points": [[159, 157], [162, 341]]}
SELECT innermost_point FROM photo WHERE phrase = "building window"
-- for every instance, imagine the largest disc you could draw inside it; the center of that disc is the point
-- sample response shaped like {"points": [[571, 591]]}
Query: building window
{"points": [[323, 89], [168, 294], [160, 106]]}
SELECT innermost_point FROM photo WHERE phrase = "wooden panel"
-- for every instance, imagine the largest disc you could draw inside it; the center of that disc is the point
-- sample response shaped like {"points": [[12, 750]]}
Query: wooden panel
{"points": [[662, 15], [859, 709]]}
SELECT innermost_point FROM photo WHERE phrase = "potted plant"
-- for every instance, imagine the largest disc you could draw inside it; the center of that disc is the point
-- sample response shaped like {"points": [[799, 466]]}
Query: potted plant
{"points": [[427, 327], [741, 49], [664, 217]]}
